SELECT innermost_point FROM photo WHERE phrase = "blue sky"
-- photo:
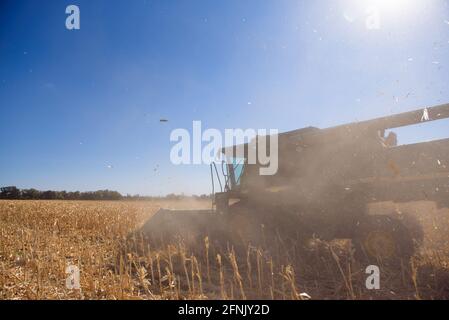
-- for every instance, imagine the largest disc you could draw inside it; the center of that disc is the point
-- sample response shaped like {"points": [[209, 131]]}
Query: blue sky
{"points": [[80, 109]]}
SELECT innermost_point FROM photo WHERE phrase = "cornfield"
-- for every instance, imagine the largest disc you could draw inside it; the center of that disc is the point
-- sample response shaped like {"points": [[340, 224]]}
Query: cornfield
{"points": [[40, 239]]}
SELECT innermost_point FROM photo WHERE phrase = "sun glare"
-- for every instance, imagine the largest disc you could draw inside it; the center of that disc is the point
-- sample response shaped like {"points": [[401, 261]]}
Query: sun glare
{"points": [[391, 5]]}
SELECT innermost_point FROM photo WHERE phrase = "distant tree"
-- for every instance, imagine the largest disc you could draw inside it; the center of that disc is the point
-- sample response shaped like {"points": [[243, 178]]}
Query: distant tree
{"points": [[10, 193], [31, 194], [48, 195], [62, 195]]}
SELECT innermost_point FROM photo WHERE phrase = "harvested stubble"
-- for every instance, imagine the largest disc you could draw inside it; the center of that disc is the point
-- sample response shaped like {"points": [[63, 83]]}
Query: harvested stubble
{"points": [[38, 239]]}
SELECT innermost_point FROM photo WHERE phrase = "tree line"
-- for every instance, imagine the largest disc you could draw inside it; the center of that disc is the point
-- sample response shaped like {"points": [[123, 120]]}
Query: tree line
{"points": [[14, 193]]}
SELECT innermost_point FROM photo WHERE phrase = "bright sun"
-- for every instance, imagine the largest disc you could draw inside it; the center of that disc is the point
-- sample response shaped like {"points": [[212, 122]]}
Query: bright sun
{"points": [[391, 5]]}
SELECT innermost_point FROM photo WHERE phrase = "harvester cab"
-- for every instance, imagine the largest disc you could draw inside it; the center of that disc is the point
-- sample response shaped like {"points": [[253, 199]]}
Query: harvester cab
{"points": [[225, 179]]}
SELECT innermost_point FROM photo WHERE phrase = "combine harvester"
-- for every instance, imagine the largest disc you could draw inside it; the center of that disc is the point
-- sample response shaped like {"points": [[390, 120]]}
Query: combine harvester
{"points": [[325, 180]]}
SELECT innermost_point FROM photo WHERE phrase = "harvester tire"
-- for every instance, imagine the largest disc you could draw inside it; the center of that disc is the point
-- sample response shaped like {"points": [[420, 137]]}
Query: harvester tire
{"points": [[383, 240]]}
